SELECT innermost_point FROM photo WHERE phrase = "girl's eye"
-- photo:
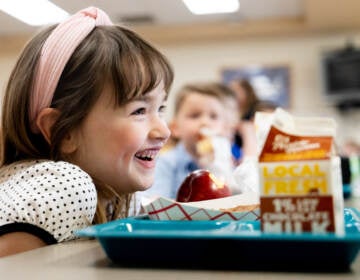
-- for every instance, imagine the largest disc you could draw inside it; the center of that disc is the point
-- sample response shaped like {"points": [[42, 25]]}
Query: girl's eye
{"points": [[162, 108], [214, 116], [139, 111]]}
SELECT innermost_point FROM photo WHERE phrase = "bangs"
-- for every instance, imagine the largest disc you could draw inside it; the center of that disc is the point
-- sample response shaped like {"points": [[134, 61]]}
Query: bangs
{"points": [[137, 67]]}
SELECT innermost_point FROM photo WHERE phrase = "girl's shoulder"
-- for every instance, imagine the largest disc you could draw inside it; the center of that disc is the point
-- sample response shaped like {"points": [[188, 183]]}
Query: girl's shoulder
{"points": [[57, 197], [42, 169], [39, 177]]}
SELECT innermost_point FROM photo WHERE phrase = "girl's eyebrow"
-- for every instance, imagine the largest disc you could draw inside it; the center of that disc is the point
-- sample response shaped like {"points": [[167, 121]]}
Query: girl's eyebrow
{"points": [[147, 98], [141, 98], [144, 97]]}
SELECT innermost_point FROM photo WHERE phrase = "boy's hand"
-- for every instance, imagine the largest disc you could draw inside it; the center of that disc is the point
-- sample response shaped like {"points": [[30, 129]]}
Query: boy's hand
{"points": [[205, 152]]}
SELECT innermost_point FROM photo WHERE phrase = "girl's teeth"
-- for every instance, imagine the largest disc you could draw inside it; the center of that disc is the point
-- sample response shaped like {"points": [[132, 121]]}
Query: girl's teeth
{"points": [[149, 155]]}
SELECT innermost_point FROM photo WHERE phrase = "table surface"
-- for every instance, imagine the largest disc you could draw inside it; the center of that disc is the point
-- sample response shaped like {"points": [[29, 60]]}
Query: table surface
{"points": [[85, 259]]}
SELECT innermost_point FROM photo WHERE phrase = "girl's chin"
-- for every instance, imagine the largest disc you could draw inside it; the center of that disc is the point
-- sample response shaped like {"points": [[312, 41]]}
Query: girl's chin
{"points": [[142, 188]]}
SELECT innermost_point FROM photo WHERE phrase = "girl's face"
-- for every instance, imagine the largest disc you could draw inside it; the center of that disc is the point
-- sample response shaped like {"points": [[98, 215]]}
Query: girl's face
{"points": [[198, 111], [119, 145]]}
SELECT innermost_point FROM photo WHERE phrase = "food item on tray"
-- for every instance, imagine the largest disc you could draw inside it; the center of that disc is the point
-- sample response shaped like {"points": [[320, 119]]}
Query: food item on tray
{"points": [[214, 154], [201, 184], [205, 147], [241, 208], [299, 174]]}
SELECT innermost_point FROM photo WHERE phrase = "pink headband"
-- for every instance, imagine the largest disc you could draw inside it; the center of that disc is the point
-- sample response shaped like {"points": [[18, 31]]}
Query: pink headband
{"points": [[56, 52]]}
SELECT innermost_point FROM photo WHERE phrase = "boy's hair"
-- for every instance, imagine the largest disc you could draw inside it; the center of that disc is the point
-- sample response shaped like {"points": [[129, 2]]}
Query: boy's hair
{"points": [[212, 89], [109, 54]]}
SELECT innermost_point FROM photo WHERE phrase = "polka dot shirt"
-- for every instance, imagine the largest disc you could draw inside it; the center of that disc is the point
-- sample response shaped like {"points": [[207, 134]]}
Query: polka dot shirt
{"points": [[46, 198]]}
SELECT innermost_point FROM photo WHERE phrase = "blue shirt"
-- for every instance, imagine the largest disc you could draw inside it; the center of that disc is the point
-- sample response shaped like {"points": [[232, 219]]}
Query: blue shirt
{"points": [[171, 169]]}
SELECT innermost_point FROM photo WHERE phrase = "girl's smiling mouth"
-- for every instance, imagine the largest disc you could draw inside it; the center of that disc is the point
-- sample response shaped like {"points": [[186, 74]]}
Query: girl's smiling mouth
{"points": [[147, 155]]}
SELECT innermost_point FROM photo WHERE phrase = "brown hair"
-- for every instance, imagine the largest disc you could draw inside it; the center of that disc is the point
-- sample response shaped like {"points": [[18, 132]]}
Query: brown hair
{"points": [[265, 106], [108, 54], [251, 98], [213, 89]]}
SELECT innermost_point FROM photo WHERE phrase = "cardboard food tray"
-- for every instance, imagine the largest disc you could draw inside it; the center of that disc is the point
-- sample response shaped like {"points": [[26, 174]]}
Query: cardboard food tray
{"points": [[238, 245], [244, 207]]}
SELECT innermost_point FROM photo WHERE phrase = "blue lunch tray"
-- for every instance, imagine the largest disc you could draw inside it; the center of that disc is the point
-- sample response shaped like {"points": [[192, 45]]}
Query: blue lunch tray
{"points": [[138, 241]]}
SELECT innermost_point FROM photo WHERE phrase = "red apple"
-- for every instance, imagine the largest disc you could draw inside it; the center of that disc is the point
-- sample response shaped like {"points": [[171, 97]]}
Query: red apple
{"points": [[201, 185]]}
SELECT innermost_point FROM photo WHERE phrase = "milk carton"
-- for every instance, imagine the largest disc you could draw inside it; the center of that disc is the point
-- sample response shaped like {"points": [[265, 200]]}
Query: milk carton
{"points": [[299, 174]]}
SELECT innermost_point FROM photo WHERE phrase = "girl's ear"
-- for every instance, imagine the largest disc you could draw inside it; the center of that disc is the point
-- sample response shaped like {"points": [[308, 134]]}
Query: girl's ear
{"points": [[45, 120], [69, 144]]}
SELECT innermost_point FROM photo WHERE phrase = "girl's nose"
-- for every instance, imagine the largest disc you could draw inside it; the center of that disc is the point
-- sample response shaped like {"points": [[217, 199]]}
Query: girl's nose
{"points": [[160, 129]]}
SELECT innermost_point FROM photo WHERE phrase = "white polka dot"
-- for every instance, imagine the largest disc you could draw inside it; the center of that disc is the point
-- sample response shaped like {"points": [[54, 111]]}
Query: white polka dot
{"points": [[56, 196]]}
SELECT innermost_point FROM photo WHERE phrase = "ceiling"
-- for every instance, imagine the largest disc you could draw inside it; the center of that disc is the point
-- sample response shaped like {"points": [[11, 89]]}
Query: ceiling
{"points": [[163, 12], [170, 21]]}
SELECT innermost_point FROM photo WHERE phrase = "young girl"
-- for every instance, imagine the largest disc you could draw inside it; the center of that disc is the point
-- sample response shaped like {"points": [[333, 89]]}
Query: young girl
{"points": [[82, 124]]}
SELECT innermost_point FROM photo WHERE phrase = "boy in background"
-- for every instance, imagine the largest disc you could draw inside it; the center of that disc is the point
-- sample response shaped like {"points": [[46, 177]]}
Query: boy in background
{"points": [[201, 110]]}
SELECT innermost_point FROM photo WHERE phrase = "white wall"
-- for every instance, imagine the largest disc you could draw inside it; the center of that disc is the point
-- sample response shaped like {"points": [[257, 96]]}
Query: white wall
{"points": [[7, 61], [204, 62]]}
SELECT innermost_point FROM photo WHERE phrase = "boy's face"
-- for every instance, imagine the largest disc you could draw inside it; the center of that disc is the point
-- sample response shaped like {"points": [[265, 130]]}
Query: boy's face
{"points": [[118, 145], [196, 112]]}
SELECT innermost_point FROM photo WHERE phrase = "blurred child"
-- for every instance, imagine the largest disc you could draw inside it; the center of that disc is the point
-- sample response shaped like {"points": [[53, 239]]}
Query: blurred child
{"points": [[246, 96], [231, 110], [350, 148], [248, 104], [199, 109], [82, 124]]}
